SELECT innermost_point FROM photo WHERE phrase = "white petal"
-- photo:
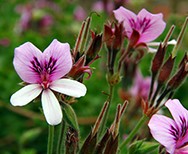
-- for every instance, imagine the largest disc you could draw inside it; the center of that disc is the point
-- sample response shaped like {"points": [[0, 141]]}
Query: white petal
{"points": [[69, 87], [171, 42], [51, 108], [25, 95], [152, 50], [153, 43]]}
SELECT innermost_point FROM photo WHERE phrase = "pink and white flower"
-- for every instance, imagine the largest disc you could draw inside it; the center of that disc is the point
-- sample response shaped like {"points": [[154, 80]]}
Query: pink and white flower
{"points": [[173, 134], [43, 73], [148, 25]]}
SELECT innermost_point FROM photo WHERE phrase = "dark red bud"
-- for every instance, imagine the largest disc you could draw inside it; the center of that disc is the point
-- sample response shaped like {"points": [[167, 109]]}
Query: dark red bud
{"points": [[166, 70], [158, 59], [108, 35], [112, 145], [79, 68], [89, 144], [102, 144], [113, 37], [94, 47], [178, 78]]}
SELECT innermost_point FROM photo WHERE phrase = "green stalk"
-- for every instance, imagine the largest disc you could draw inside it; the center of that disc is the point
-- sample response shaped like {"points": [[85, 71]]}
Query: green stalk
{"points": [[104, 121], [60, 139], [134, 131], [64, 128], [180, 38], [50, 139]]}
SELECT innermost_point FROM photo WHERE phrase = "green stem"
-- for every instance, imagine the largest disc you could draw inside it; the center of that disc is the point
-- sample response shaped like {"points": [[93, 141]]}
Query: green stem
{"points": [[134, 131], [60, 142], [104, 121], [50, 139]]}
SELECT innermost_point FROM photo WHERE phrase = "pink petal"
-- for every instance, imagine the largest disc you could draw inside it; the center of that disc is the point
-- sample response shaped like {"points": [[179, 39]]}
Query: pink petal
{"points": [[69, 87], [25, 95], [51, 108], [155, 27], [60, 54], [23, 57], [178, 112], [180, 115], [160, 128], [127, 17]]}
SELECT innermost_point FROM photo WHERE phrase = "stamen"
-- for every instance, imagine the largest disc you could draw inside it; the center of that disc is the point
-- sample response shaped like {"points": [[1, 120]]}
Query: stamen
{"points": [[49, 67]]}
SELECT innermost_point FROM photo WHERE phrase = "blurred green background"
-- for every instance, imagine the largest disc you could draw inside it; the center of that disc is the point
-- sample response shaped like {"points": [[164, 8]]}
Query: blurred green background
{"points": [[22, 129]]}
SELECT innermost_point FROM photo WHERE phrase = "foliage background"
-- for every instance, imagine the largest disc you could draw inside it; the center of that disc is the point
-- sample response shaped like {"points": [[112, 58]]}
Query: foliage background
{"points": [[22, 128]]}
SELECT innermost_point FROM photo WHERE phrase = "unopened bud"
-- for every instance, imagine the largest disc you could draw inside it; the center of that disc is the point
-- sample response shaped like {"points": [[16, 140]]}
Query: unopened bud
{"points": [[94, 47], [79, 69], [113, 37], [89, 144], [158, 59], [179, 77], [112, 145], [102, 144], [166, 70]]}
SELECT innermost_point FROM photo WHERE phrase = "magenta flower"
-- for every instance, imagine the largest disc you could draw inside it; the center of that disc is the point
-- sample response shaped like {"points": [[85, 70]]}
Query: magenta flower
{"points": [[173, 134], [148, 25], [43, 73], [141, 86]]}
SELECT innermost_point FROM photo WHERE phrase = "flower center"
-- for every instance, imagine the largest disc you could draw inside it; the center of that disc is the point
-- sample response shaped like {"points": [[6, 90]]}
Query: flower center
{"points": [[44, 70]]}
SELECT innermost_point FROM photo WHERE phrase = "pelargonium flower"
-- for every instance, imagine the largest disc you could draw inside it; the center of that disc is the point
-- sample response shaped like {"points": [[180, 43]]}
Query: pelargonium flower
{"points": [[148, 25], [141, 86], [43, 72], [173, 134]]}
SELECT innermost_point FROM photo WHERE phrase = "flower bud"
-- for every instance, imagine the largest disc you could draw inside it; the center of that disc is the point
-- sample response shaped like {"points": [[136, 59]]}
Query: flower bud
{"points": [[94, 47], [178, 78], [113, 37], [166, 70], [79, 69], [158, 59], [112, 145]]}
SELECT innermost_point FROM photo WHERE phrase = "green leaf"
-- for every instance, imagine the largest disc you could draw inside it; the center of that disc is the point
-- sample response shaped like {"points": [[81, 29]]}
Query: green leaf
{"points": [[70, 116], [144, 147]]}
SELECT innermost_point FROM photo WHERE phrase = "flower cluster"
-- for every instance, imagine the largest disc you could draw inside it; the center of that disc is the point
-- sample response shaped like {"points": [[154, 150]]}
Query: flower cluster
{"points": [[56, 77]]}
